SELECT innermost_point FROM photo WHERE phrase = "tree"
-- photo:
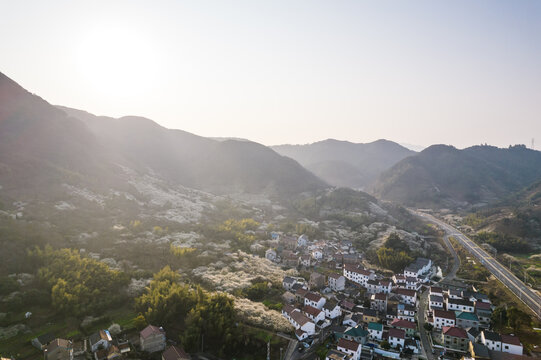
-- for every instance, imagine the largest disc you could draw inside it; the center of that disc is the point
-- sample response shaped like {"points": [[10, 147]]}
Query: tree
{"points": [[428, 326], [518, 319], [139, 322], [385, 345]]}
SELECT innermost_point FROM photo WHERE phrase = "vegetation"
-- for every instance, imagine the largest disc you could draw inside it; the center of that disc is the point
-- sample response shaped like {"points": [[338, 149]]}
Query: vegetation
{"points": [[503, 242], [78, 285], [393, 254]]}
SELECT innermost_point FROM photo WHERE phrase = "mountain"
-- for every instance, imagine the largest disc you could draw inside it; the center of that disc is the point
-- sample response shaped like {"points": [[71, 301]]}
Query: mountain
{"points": [[44, 146], [443, 176], [342, 163]]}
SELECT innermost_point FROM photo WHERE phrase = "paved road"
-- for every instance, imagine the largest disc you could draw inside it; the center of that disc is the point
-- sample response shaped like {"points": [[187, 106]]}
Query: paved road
{"points": [[423, 302], [523, 292]]}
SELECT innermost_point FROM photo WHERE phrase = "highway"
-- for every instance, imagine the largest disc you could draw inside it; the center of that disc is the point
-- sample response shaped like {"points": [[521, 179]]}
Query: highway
{"points": [[529, 297]]}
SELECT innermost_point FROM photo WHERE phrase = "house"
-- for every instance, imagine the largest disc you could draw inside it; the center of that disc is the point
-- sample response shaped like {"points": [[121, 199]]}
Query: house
{"points": [[492, 340], [474, 335], [378, 302], [175, 353], [386, 286], [466, 320], [511, 344], [407, 296], [478, 351], [419, 267], [300, 294], [370, 315], [304, 260], [152, 339], [483, 311], [406, 312], [317, 280], [349, 347], [399, 280], [436, 302], [436, 290], [337, 355], [290, 260], [347, 305], [101, 339], [270, 254], [412, 283], [357, 334], [332, 310], [357, 274], [317, 254], [375, 330], [408, 326], [122, 345], [373, 287], [314, 314], [42, 341], [460, 305], [59, 349], [454, 294], [337, 282], [397, 337], [288, 282], [302, 240], [352, 319], [443, 318], [454, 338], [314, 299], [302, 323]]}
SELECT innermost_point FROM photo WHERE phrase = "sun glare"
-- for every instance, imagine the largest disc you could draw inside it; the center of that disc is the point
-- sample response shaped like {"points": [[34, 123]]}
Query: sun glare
{"points": [[118, 60]]}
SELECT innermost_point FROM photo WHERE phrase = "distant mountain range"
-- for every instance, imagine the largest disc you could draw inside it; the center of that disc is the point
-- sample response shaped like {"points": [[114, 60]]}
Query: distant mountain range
{"points": [[43, 145], [342, 163], [443, 176]]}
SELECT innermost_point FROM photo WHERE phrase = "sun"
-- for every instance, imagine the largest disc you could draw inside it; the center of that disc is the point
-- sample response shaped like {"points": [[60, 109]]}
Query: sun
{"points": [[118, 60]]}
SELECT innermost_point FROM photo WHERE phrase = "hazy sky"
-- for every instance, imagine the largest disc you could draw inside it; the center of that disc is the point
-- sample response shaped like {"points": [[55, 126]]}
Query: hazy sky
{"points": [[420, 72]]}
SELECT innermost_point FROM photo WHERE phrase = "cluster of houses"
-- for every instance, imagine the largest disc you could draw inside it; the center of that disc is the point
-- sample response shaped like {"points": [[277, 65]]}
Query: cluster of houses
{"points": [[101, 345], [461, 319], [384, 323], [295, 251]]}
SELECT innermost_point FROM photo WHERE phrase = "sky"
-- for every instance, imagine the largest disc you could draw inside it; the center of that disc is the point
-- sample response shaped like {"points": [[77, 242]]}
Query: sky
{"points": [[417, 72]]}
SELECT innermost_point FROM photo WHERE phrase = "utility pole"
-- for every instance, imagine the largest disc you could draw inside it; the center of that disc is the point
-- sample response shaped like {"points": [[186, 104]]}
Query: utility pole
{"points": [[268, 350]]}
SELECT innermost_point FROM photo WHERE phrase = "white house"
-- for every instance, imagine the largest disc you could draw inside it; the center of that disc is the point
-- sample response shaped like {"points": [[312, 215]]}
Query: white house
{"points": [[350, 347], [375, 330], [492, 340], [270, 254], [337, 282], [460, 305], [397, 337], [304, 260], [357, 275], [314, 314], [406, 312], [436, 302], [303, 323], [511, 344], [436, 290], [407, 296], [386, 286], [314, 300], [378, 302], [317, 254], [332, 310], [419, 267], [373, 287], [443, 318], [288, 282]]}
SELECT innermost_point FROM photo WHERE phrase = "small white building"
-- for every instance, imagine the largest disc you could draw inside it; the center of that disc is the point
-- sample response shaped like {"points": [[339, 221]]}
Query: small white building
{"points": [[337, 282], [375, 330], [314, 314], [397, 337], [511, 344], [314, 300], [332, 310], [350, 347], [317, 254], [443, 318]]}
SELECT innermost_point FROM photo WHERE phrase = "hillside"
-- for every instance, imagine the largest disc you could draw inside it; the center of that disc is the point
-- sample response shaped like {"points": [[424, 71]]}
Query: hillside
{"points": [[443, 176], [342, 163], [42, 146]]}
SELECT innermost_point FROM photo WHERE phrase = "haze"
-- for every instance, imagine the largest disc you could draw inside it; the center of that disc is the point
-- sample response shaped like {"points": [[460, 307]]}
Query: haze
{"points": [[419, 72]]}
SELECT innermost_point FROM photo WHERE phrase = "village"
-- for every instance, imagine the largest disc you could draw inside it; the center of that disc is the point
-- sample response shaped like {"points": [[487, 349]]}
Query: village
{"points": [[361, 314]]}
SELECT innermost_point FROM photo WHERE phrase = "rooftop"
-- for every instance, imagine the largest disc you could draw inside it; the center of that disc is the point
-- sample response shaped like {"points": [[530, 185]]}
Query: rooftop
{"points": [[397, 333], [455, 332], [348, 344]]}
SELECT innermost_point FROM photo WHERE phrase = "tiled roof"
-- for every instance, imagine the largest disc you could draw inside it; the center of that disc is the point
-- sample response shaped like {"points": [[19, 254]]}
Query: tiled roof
{"points": [[397, 333], [348, 344], [405, 292], [375, 326], [482, 305], [380, 296], [436, 298], [455, 332], [313, 296], [150, 330], [510, 339], [403, 324], [444, 314], [312, 310], [175, 353], [464, 315], [299, 317], [490, 335]]}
